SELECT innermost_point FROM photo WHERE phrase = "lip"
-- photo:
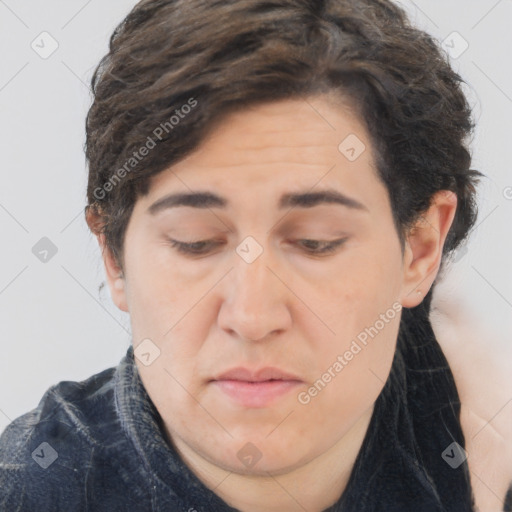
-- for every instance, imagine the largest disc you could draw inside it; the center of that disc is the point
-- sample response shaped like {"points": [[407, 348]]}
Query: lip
{"points": [[261, 375], [256, 388]]}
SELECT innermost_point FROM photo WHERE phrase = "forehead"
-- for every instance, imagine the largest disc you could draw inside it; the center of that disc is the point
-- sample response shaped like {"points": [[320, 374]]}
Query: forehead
{"points": [[278, 148], [306, 131]]}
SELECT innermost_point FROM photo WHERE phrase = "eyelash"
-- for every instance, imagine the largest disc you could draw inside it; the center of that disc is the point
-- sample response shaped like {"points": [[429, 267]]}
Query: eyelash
{"points": [[188, 248]]}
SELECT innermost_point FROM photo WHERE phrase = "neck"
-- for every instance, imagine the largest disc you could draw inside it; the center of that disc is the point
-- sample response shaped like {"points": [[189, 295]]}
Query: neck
{"points": [[314, 486]]}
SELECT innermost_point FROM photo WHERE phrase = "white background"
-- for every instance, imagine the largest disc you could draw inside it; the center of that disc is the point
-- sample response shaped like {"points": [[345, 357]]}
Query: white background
{"points": [[55, 325]]}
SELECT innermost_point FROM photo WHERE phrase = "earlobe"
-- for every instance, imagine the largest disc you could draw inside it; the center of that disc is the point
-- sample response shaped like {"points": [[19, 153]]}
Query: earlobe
{"points": [[424, 248], [115, 278], [118, 294]]}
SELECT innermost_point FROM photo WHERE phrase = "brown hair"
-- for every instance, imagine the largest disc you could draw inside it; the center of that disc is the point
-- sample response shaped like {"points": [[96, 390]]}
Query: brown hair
{"points": [[175, 67]]}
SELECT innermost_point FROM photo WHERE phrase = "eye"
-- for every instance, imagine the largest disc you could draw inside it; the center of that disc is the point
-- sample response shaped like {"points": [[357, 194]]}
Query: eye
{"points": [[198, 247], [201, 247], [321, 246]]}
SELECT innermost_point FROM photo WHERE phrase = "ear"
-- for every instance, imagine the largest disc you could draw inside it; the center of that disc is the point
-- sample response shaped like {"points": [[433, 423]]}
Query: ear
{"points": [[115, 277], [424, 248]]}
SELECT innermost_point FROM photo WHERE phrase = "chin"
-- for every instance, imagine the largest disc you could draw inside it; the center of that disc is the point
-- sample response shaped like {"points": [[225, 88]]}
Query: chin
{"points": [[250, 455], [275, 466]]}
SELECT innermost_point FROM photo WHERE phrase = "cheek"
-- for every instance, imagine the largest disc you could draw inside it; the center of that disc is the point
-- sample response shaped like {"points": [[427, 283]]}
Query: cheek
{"points": [[351, 378], [353, 296], [156, 293], [362, 312]]}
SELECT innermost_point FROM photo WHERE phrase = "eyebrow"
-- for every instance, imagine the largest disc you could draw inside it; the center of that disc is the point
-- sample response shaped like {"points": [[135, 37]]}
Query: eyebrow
{"points": [[200, 199]]}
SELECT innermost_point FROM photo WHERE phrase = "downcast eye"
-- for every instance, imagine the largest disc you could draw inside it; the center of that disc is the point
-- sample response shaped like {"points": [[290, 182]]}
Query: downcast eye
{"points": [[203, 247]]}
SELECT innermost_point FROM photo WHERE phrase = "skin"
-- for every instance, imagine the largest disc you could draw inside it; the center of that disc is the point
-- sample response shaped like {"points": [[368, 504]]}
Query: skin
{"points": [[288, 308], [486, 407]]}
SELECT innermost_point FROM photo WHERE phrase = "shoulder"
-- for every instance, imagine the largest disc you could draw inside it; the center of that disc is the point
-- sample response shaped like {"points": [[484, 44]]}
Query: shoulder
{"points": [[44, 453]]}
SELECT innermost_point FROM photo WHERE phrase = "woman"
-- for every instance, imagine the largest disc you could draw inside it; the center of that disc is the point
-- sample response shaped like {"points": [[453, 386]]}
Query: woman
{"points": [[275, 186]]}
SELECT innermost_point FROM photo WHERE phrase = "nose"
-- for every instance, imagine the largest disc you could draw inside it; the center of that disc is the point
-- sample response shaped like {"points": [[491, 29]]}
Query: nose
{"points": [[256, 302]]}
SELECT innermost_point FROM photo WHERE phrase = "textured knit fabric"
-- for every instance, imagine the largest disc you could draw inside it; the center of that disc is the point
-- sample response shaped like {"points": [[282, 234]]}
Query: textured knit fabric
{"points": [[416, 419], [99, 445]]}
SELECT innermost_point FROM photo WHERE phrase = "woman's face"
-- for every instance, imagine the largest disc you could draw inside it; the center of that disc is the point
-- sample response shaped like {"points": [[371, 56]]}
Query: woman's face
{"points": [[281, 182]]}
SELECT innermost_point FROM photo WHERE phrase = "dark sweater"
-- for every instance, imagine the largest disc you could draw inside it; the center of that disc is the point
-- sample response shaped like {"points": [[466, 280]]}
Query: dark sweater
{"points": [[99, 445]]}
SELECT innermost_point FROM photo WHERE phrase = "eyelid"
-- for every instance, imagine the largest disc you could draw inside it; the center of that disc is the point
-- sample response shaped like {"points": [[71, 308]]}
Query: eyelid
{"points": [[329, 246], [185, 247]]}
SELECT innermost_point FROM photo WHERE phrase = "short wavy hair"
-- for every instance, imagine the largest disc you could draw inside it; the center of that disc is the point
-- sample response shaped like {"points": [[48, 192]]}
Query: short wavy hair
{"points": [[226, 55]]}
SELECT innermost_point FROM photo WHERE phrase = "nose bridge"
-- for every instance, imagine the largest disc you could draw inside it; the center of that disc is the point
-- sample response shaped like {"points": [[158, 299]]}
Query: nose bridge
{"points": [[253, 285], [253, 255], [254, 302]]}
